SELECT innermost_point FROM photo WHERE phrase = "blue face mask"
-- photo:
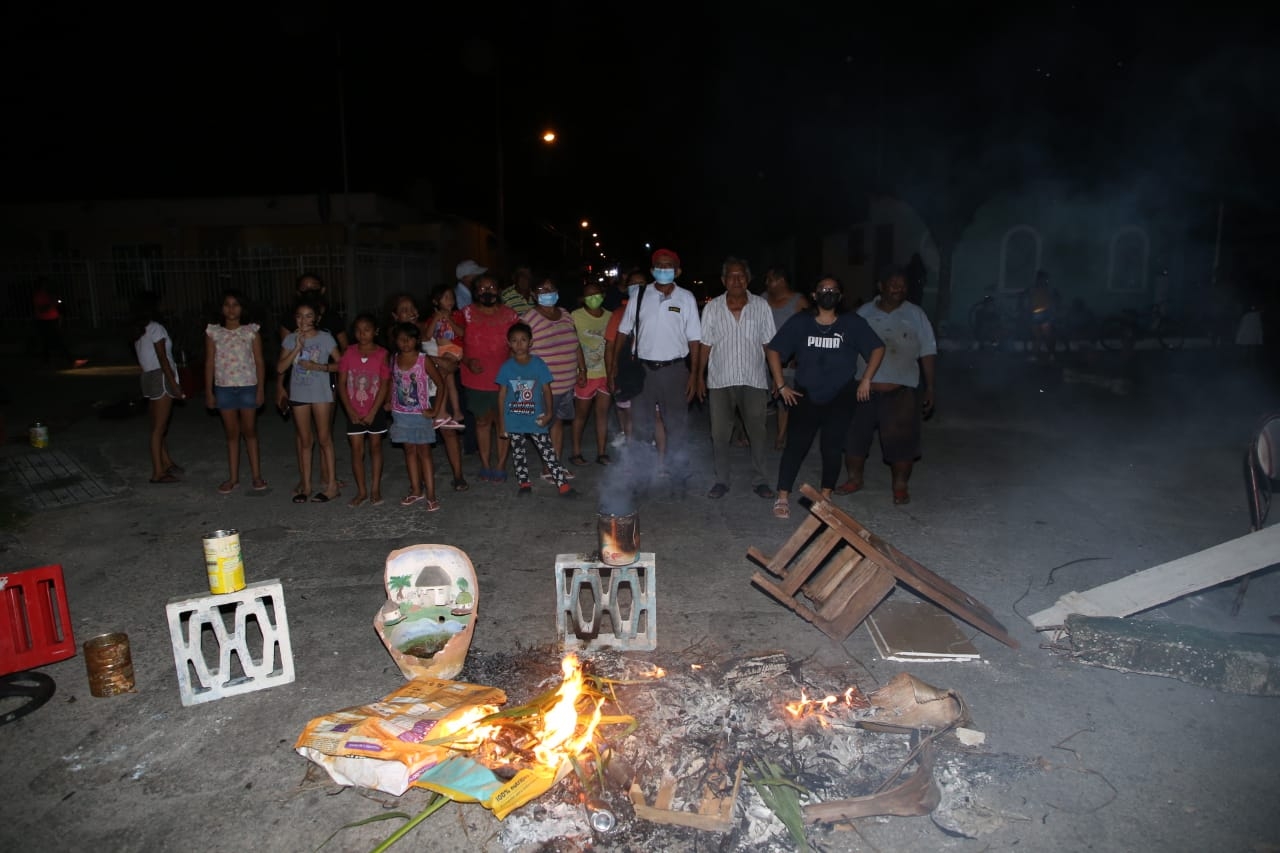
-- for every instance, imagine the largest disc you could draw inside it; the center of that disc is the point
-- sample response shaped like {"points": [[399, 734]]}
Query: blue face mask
{"points": [[662, 276], [546, 300]]}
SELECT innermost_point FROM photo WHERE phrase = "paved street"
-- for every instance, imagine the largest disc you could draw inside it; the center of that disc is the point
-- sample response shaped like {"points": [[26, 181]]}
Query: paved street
{"points": [[1021, 474]]}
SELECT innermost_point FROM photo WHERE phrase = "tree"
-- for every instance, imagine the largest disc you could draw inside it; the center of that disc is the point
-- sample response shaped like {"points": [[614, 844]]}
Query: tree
{"points": [[399, 583]]}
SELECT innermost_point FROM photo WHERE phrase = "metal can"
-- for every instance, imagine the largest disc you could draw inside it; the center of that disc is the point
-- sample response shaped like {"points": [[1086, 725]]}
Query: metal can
{"points": [[600, 816], [110, 664], [39, 435], [223, 562]]}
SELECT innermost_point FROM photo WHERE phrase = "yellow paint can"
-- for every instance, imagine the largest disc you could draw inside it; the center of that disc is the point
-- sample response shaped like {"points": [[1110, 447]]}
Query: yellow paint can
{"points": [[223, 561]]}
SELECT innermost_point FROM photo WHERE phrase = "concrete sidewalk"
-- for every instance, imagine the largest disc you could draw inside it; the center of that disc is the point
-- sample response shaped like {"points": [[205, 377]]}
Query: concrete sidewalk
{"points": [[1022, 474]]}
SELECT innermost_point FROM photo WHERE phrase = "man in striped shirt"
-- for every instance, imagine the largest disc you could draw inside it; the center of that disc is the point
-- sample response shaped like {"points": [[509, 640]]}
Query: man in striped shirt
{"points": [[736, 326]]}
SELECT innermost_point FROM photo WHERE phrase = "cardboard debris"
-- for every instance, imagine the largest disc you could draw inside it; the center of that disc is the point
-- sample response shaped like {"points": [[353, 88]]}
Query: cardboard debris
{"points": [[913, 630], [715, 814], [905, 703]]}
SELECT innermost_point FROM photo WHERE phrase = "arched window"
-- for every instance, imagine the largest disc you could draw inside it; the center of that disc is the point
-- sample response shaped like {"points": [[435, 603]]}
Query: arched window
{"points": [[1130, 255], [1019, 258]]}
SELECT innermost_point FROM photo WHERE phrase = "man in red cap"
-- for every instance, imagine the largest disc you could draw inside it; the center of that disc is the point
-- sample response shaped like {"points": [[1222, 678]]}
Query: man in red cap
{"points": [[668, 332]]}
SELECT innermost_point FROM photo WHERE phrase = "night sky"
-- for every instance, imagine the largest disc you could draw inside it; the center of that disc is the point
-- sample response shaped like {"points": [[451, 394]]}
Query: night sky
{"points": [[708, 127]]}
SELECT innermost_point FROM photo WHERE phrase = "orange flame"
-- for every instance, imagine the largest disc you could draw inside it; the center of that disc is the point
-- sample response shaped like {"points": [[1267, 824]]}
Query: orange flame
{"points": [[557, 737], [825, 707], [654, 671]]}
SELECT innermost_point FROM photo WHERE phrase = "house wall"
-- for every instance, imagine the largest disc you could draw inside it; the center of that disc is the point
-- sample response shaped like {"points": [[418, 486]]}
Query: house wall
{"points": [[892, 233]]}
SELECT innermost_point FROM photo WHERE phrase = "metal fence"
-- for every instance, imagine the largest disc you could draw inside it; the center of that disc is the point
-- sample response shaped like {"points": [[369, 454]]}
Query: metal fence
{"points": [[96, 294]]}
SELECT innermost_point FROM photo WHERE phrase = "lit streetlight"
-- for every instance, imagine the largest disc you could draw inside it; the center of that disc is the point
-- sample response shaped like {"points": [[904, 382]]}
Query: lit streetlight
{"points": [[585, 224], [549, 136]]}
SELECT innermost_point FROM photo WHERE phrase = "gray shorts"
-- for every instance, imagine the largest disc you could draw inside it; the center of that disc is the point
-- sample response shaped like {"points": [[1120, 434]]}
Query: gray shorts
{"points": [[562, 406], [156, 385]]}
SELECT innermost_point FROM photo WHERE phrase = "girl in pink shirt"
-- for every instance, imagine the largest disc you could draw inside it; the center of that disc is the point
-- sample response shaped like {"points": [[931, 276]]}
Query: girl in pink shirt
{"points": [[364, 381]]}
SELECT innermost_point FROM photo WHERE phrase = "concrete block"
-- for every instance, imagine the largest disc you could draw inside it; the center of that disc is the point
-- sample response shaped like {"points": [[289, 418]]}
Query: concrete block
{"points": [[214, 638], [607, 607], [1232, 663]]}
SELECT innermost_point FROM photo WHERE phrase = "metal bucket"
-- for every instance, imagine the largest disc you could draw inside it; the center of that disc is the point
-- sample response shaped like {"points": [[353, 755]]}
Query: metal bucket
{"points": [[619, 538], [223, 561], [109, 663]]}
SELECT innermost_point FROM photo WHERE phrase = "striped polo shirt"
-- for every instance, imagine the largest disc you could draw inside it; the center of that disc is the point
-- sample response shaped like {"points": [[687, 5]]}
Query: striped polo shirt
{"points": [[556, 343]]}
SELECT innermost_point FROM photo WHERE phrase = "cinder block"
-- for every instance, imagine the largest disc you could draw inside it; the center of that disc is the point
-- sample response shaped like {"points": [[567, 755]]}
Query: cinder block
{"points": [[35, 621], [610, 607], [230, 621]]}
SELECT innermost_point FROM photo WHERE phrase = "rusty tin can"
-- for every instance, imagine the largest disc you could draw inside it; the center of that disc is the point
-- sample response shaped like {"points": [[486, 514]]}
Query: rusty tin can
{"points": [[38, 435], [223, 561], [110, 664]]}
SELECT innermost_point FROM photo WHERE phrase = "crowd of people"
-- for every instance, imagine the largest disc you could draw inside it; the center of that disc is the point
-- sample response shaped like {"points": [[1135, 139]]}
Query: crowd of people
{"points": [[489, 371]]}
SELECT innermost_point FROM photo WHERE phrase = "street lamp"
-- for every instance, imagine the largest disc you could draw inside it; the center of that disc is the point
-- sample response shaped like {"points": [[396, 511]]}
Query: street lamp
{"points": [[549, 136]]}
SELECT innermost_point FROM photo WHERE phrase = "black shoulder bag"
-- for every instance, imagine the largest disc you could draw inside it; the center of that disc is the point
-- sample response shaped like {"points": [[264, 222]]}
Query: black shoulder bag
{"points": [[629, 375]]}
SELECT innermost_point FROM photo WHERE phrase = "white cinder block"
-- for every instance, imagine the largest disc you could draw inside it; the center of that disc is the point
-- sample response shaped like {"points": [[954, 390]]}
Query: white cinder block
{"points": [[610, 607], [259, 605]]}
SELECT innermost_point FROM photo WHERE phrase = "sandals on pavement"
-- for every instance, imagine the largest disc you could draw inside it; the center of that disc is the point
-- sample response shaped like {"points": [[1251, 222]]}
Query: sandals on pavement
{"points": [[848, 487], [410, 500], [166, 477], [781, 509], [356, 501], [763, 491], [603, 459], [259, 485], [718, 491], [460, 484], [432, 505], [576, 459], [300, 498], [228, 487], [901, 496]]}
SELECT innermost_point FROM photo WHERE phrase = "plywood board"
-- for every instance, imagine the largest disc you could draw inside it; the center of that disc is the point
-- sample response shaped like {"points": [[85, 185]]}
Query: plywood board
{"points": [[1167, 581], [906, 629]]}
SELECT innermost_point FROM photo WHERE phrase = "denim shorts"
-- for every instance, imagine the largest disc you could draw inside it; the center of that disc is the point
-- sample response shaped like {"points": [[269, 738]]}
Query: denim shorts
{"points": [[230, 398], [410, 428]]}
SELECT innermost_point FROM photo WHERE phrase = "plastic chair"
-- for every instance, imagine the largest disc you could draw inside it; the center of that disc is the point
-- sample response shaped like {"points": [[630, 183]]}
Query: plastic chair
{"points": [[1261, 470]]}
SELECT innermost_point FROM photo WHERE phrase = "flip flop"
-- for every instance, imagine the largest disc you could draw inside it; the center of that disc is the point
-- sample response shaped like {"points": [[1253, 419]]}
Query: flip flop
{"points": [[603, 459], [165, 478], [901, 496], [781, 509], [375, 502], [356, 501], [410, 500], [576, 459], [227, 488], [175, 469], [764, 491], [259, 485], [322, 498], [432, 505], [848, 487], [299, 499], [718, 491], [460, 484]]}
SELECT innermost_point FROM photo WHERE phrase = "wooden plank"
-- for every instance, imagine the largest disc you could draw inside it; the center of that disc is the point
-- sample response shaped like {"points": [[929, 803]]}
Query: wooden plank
{"points": [[770, 587], [813, 556], [867, 572], [778, 562], [927, 584], [1167, 581], [868, 596], [832, 575]]}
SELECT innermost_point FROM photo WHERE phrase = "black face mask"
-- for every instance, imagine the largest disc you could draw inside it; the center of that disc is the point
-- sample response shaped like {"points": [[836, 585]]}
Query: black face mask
{"points": [[829, 300], [487, 299]]}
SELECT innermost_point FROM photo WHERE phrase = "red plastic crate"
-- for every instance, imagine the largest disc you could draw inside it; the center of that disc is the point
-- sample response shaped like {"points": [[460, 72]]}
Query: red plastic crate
{"points": [[35, 621]]}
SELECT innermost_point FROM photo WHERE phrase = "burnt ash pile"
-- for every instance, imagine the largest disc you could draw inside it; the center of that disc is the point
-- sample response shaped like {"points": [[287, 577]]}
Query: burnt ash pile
{"points": [[696, 723]]}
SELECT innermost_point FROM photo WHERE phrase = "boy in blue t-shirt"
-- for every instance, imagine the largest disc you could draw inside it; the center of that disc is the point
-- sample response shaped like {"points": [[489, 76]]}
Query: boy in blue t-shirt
{"points": [[525, 405]]}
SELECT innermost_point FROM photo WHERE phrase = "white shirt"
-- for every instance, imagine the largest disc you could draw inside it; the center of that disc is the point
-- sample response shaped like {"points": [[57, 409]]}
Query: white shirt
{"points": [[145, 346], [669, 323], [737, 343], [461, 295], [908, 337]]}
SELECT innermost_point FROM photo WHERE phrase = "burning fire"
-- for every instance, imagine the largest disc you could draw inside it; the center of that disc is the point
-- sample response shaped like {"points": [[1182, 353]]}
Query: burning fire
{"points": [[654, 671], [558, 735], [822, 709]]}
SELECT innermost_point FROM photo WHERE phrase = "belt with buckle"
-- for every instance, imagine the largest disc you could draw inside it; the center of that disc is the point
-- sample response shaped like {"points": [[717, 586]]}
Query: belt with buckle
{"points": [[658, 365]]}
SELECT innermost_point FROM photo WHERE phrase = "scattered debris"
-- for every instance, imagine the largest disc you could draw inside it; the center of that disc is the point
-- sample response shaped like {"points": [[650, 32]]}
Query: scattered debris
{"points": [[913, 630], [970, 737]]}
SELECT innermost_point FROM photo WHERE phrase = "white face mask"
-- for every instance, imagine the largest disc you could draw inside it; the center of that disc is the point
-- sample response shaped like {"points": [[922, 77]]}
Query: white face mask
{"points": [[663, 276]]}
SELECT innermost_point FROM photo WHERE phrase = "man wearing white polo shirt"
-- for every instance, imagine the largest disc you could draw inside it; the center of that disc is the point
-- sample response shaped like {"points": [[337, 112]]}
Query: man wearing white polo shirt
{"points": [[736, 326], [669, 331]]}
